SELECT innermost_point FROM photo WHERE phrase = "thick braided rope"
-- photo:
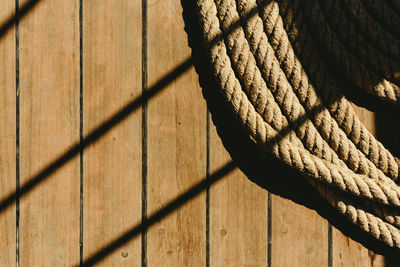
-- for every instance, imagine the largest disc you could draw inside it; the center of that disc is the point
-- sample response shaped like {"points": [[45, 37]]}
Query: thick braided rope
{"points": [[386, 14], [361, 46], [355, 185], [285, 116], [385, 229], [237, 46], [372, 28], [286, 97], [350, 66], [340, 109], [246, 68]]}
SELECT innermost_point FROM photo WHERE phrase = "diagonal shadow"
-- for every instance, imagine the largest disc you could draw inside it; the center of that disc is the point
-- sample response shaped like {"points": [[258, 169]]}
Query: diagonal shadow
{"points": [[96, 134], [264, 170], [160, 214], [106, 126], [181, 200], [20, 12], [209, 87]]}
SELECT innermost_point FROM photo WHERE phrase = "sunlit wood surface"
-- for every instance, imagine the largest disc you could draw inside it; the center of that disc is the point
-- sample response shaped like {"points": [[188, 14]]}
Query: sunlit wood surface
{"points": [[69, 67]]}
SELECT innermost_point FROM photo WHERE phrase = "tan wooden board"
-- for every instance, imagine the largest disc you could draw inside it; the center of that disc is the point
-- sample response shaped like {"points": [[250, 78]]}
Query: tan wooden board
{"points": [[112, 181], [49, 125], [176, 127], [347, 252], [299, 235], [238, 215], [7, 136], [176, 157]]}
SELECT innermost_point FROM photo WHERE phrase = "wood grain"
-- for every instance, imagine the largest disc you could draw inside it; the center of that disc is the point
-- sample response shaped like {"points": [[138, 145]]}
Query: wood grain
{"points": [[176, 143], [49, 121], [238, 215], [299, 235], [347, 252], [7, 137], [113, 165]]}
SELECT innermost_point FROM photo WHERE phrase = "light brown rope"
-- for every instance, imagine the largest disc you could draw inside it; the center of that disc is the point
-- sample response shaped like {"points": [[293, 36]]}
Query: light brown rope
{"points": [[340, 109], [364, 46], [371, 27], [282, 93], [358, 72]]}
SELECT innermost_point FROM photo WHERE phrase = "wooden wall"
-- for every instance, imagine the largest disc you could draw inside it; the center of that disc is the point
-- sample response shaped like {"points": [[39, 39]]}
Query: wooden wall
{"points": [[116, 76]]}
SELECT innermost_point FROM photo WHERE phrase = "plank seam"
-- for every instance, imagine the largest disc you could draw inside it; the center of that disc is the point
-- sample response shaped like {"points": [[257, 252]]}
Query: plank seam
{"points": [[269, 229], [17, 135], [81, 132], [144, 134]]}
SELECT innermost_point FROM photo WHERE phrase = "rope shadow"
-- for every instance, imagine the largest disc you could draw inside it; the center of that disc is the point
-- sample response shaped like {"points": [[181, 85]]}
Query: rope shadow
{"points": [[107, 126], [257, 166], [209, 87], [250, 159], [308, 25], [188, 195]]}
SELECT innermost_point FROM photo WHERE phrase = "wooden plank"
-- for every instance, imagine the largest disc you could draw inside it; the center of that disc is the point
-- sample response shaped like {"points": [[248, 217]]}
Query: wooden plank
{"points": [[176, 143], [7, 136], [238, 215], [299, 235], [49, 124], [112, 166], [345, 251]]}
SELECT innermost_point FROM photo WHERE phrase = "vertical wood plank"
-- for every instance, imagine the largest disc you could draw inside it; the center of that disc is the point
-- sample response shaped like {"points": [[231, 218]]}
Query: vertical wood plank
{"points": [[238, 215], [49, 124], [113, 165], [345, 251], [299, 235], [176, 143], [7, 136]]}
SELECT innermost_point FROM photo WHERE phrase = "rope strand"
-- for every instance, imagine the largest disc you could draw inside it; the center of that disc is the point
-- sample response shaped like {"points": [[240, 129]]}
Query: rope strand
{"points": [[278, 86]]}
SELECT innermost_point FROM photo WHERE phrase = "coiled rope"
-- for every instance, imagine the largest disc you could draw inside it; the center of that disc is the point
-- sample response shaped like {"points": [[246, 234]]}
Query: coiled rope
{"points": [[269, 59]]}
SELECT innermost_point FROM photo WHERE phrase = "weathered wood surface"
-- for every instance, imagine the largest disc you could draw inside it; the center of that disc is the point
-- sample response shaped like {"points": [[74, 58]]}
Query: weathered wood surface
{"points": [[93, 204], [49, 124], [176, 146], [299, 235], [112, 176], [7, 136], [238, 215]]}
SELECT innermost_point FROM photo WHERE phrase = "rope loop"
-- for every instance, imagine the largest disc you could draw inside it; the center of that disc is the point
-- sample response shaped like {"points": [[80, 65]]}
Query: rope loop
{"points": [[278, 63]]}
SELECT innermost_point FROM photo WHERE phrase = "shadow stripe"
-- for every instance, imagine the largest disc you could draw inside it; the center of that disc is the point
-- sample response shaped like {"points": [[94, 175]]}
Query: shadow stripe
{"points": [[160, 214]]}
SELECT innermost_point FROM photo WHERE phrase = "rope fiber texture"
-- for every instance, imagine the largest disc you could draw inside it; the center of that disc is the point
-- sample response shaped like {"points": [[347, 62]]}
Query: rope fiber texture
{"points": [[273, 62]]}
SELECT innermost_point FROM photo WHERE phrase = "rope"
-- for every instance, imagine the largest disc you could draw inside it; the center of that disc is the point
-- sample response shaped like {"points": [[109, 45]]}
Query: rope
{"points": [[386, 15], [354, 69], [269, 60]]}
